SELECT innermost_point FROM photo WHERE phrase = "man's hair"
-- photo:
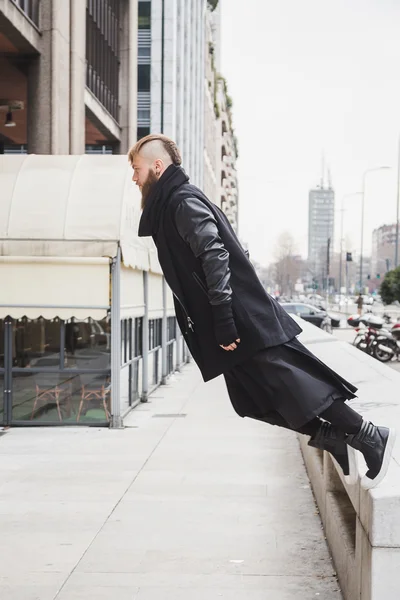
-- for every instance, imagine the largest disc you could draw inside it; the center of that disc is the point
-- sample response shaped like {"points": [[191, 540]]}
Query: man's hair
{"points": [[167, 144]]}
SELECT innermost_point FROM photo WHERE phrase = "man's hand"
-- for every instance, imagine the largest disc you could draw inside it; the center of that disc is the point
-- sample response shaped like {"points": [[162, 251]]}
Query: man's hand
{"points": [[232, 346]]}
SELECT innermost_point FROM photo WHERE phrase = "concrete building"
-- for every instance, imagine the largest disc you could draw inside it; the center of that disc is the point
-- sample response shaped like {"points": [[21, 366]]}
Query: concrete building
{"points": [[181, 93], [67, 68], [171, 76], [212, 130], [229, 154], [321, 226], [87, 325], [383, 250]]}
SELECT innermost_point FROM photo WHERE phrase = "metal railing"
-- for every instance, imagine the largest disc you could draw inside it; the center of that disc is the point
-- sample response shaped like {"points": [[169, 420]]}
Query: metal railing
{"points": [[30, 8]]}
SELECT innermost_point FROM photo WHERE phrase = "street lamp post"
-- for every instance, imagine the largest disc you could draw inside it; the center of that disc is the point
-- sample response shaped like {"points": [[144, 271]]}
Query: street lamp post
{"points": [[362, 218], [396, 254], [342, 211]]}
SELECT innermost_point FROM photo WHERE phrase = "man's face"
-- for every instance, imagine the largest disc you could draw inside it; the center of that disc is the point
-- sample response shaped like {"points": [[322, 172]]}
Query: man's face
{"points": [[144, 175]]}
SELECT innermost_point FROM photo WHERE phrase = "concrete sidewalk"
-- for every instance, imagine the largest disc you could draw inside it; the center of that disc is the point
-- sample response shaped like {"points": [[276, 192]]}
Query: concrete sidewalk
{"points": [[199, 506]]}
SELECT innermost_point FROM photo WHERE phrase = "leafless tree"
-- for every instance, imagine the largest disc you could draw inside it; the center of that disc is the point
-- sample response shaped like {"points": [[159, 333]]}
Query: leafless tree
{"points": [[287, 265]]}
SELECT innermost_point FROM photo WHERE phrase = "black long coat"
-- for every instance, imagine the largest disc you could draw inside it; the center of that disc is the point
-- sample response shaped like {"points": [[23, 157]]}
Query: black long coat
{"points": [[260, 320]]}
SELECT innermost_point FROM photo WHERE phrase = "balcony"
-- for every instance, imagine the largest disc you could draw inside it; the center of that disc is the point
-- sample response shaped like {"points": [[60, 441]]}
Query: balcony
{"points": [[30, 8]]}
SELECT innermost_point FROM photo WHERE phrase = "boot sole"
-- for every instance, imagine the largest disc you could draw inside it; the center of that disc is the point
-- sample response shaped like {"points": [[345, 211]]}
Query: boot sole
{"points": [[352, 477], [369, 484]]}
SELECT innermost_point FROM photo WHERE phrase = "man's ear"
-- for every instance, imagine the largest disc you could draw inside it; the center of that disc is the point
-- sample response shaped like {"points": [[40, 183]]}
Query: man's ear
{"points": [[159, 166]]}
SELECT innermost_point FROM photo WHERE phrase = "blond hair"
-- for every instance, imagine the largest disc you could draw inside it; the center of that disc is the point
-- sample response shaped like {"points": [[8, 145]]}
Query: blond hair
{"points": [[165, 142]]}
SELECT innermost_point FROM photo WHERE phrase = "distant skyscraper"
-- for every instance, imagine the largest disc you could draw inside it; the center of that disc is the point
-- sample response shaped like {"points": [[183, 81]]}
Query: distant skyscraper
{"points": [[321, 225]]}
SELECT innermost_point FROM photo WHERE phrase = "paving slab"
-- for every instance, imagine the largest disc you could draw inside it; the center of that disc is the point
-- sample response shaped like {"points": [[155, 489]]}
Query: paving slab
{"points": [[189, 501]]}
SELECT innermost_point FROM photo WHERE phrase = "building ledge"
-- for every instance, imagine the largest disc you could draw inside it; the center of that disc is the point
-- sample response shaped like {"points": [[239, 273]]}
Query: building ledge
{"points": [[19, 29], [105, 121]]}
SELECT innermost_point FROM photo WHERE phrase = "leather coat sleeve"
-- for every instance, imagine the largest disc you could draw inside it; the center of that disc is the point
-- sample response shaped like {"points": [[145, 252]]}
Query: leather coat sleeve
{"points": [[198, 228]]}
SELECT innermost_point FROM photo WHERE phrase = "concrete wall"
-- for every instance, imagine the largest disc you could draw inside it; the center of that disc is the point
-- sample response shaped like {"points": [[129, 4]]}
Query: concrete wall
{"points": [[362, 527]]}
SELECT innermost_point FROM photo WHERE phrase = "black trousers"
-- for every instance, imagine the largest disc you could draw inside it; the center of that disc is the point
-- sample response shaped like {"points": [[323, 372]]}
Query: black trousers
{"points": [[338, 414], [286, 383]]}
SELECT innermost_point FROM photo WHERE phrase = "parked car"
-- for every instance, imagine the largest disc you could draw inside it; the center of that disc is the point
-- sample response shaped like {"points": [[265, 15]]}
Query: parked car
{"points": [[309, 313]]}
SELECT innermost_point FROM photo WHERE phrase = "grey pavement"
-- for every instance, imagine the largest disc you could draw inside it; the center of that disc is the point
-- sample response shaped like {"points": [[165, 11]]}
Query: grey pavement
{"points": [[189, 501]]}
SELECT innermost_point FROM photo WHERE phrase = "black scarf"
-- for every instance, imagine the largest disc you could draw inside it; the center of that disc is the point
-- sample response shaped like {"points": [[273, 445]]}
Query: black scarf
{"points": [[172, 178]]}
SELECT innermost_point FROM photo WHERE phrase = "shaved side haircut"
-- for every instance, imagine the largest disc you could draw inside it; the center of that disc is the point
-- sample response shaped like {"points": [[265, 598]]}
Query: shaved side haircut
{"points": [[156, 146]]}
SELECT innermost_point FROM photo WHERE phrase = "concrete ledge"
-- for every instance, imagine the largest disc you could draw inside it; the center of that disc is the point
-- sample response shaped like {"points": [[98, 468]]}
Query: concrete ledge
{"points": [[103, 120], [21, 31], [362, 527]]}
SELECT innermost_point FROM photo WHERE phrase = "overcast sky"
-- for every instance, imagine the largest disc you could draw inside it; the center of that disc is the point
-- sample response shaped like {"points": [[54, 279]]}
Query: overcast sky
{"points": [[308, 76]]}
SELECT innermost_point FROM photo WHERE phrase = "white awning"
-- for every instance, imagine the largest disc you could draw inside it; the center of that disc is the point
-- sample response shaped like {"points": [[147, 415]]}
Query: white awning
{"points": [[47, 287], [71, 206]]}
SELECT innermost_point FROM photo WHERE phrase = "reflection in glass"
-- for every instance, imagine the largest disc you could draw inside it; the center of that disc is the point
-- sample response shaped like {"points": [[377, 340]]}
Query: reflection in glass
{"points": [[86, 338], [1, 398], [33, 340], [61, 397], [48, 359], [2, 332]]}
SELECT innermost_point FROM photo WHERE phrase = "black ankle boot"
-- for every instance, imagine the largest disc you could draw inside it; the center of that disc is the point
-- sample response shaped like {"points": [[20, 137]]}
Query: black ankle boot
{"points": [[332, 440], [376, 445]]}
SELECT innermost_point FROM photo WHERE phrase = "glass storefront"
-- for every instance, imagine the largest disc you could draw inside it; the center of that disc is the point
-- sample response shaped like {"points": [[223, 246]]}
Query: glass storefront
{"points": [[60, 370], [55, 372]]}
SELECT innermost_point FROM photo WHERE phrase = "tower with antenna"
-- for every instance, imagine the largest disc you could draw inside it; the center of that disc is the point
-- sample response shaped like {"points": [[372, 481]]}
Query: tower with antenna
{"points": [[321, 227]]}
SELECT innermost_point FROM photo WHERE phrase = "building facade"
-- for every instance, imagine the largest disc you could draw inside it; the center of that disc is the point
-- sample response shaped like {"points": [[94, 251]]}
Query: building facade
{"points": [[212, 160], [67, 69], [383, 250], [87, 324], [171, 74], [321, 228], [228, 156], [182, 94]]}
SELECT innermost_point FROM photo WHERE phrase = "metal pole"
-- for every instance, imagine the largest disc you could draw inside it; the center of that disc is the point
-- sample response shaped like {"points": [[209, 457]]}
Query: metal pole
{"points": [[178, 342], [116, 420], [164, 333], [328, 249], [145, 339], [362, 230], [341, 251], [396, 256]]}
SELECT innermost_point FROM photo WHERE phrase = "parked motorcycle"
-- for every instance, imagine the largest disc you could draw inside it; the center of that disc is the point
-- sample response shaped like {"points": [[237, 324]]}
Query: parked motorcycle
{"points": [[369, 330], [387, 345], [376, 338]]}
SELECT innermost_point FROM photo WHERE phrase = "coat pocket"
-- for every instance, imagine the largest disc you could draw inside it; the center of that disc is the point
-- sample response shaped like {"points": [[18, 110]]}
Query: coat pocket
{"points": [[200, 283]]}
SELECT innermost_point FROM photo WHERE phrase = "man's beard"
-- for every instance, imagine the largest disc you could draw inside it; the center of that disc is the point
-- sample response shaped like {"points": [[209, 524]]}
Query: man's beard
{"points": [[148, 186]]}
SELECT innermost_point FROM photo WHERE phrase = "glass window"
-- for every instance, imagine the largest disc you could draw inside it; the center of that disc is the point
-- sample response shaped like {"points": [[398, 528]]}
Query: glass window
{"points": [[142, 132], [36, 343], [138, 336], [61, 397], [144, 51], [2, 328], [44, 388], [143, 78], [301, 310], [144, 13], [154, 333], [171, 328], [88, 344], [1, 397]]}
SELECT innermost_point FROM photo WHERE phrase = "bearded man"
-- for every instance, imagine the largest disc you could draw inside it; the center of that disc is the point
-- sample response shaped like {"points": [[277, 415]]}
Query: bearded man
{"points": [[234, 328]]}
